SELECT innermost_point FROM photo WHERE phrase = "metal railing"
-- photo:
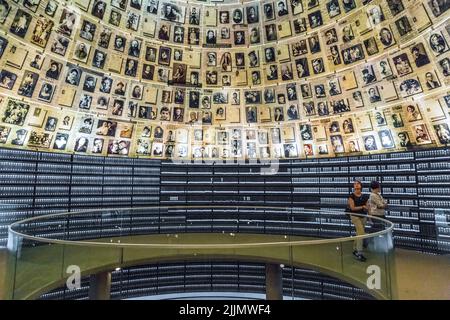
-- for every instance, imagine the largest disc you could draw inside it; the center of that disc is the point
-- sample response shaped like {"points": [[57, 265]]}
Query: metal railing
{"points": [[47, 251]]}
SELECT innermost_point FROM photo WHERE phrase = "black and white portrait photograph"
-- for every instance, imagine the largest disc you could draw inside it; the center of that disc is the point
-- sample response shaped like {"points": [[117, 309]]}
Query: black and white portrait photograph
{"points": [[252, 14], [132, 21], [384, 68], [99, 9], [374, 94], [194, 16], [51, 7], [296, 7], [395, 6], [115, 17], [99, 59], [282, 8], [7, 79], [85, 102], [172, 12], [410, 87], [81, 52], [46, 92], [420, 55], [442, 132], [353, 54], [269, 13], [28, 84], [89, 83], [21, 23], [403, 26], [437, 43], [87, 31], [386, 37], [15, 112], [315, 19], [61, 141], [333, 8], [370, 143], [368, 74], [73, 75], [431, 81], [134, 48], [402, 64], [152, 6]]}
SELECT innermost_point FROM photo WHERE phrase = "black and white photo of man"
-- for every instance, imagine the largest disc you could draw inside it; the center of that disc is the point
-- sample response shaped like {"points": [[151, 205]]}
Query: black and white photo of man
{"points": [[20, 24], [403, 26], [420, 55], [136, 4], [115, 17], [135, 48], [99, 59], [315, 19], [81, 52], [331, 36], [282, 8], [106, 85], [292, 112], [239, 37], [131, 67], [368, 75], [85, 102], [314, 44], [318, 66]]}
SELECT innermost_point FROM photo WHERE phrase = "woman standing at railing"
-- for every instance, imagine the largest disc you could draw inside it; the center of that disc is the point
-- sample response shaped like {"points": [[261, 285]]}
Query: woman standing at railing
{"points": [[377, 205], [357, 203]]}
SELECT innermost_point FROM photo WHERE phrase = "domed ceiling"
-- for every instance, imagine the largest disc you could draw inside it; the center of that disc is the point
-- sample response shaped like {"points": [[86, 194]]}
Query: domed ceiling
{"points": [[224, 79]]}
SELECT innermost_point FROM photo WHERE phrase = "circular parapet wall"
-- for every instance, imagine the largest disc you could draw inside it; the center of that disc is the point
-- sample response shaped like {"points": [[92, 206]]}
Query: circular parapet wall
{"points": [[55, 257]]}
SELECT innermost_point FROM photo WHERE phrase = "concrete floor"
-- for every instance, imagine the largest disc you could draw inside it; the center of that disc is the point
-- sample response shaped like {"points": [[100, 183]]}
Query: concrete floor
{"points": [[419, 276]]}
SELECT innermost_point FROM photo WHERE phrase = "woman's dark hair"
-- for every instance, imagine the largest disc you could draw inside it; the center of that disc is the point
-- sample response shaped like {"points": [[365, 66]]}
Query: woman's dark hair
{"points": [[358, 182], [374, 185]]}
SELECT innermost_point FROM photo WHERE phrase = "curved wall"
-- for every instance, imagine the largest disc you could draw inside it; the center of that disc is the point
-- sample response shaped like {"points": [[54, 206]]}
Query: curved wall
{"points": [[414, 183], [152, 280], [281, 79]]}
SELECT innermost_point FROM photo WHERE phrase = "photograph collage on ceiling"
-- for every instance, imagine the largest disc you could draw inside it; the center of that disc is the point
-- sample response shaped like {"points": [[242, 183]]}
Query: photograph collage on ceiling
{"points": [[224, 79]]}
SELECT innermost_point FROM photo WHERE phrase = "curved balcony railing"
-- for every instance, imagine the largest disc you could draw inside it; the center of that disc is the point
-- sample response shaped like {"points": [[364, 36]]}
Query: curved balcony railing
{"points": [[45, 252]]}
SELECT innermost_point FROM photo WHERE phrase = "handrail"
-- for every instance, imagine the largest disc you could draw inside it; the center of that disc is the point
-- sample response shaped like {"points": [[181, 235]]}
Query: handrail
{"points": [[11, 230]]}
